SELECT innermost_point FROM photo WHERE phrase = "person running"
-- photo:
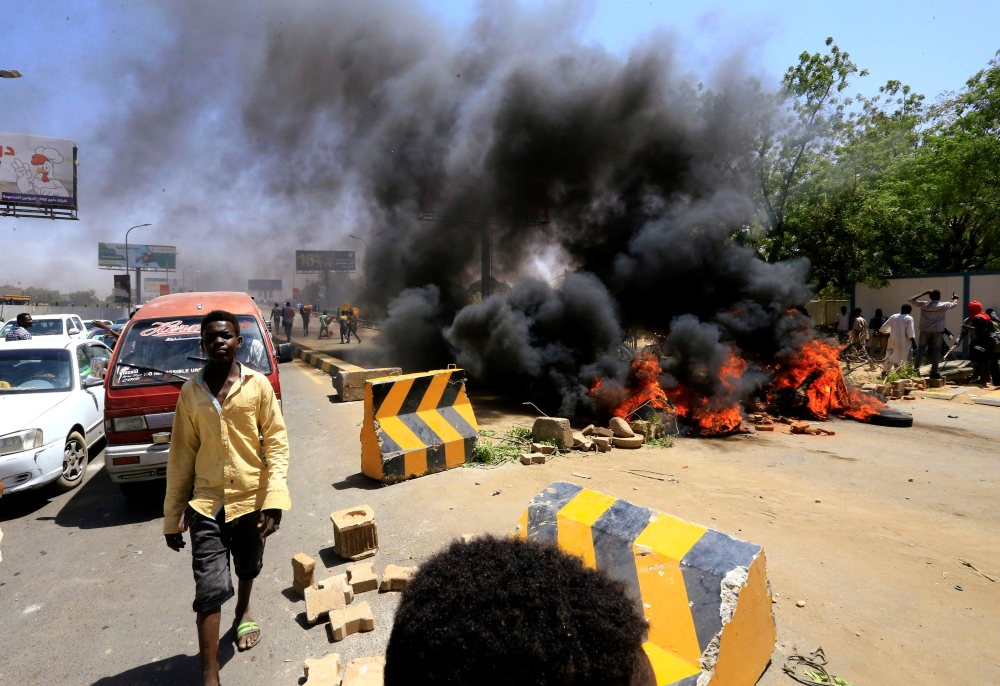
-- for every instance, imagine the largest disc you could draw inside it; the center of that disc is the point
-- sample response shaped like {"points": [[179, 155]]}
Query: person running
{"points": [[843, 325], [276, 318], [901, 338], [932, 314], [324, 324], [20, 332], [226, 483], [287, 319], [352, 325], [344, 317]]}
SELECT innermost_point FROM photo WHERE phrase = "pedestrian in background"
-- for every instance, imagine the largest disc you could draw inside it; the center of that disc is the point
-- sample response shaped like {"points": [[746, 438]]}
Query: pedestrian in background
{"points": [[324, 324], [305, 311], [226, 483], [877, 321], [276, 319], [983, 338], [843, 325], [352, 325], [20, 332], [932, 314], [287, 319], [901, 338]]}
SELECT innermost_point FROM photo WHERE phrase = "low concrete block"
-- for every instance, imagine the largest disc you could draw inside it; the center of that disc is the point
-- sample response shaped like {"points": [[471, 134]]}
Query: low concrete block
{"points": [[396, 578], [704, 593], [339, 581], [362, 577], [365, 671], [601, 431], [543, 448], [324, 671], [349, 381], [628, 443], [603, 443], [321, 601], [582, 442], [620, 428], [350, 620], [800, 427], [302, 573], [355, 535], [533, 458], [555, 429]]}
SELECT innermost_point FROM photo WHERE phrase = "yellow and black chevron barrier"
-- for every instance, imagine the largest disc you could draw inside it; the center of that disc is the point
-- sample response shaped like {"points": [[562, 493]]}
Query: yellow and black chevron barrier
{"points": [[416, 424], [704, 593]]}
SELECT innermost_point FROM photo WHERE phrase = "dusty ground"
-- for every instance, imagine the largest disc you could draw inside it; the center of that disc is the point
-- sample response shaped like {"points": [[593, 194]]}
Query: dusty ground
{"points": [[876, 561]]}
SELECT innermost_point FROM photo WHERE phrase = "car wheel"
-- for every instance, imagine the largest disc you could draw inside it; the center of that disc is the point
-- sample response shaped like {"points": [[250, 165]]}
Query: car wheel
{"points": [[74, 462]]}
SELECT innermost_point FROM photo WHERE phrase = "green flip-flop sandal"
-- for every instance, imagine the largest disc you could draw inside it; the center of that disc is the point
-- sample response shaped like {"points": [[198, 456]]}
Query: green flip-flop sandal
{"points": [[243, 629]]}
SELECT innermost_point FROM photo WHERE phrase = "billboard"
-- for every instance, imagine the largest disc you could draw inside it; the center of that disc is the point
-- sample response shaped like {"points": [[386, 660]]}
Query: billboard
{"points": [[261, 285], [123, 289], [37, 172], [150, 257], [154, 288], [315, 261]]}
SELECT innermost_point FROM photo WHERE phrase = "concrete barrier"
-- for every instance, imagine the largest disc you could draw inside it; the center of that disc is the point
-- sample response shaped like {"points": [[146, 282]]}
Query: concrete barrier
{"points": [[704, 593], [416, 424], [348, 379]]}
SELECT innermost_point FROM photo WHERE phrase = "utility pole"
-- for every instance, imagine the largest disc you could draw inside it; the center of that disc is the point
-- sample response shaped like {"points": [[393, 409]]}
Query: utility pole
{"points": [[138, 292]]}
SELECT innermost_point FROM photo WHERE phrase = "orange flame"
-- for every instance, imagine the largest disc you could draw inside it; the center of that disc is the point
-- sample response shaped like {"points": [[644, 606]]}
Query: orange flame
{"points": [[826, 393], [703, 413]]}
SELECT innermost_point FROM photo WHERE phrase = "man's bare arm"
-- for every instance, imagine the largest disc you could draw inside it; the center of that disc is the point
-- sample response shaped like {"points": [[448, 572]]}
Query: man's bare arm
{"points": [[919, 295]]}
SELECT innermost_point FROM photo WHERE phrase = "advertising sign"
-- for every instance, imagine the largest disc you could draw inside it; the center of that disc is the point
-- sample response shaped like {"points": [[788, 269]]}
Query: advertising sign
{"points": [[37, 172], [123, 289], [315, 261], [262, 285], [154, 288], [149, 257]]}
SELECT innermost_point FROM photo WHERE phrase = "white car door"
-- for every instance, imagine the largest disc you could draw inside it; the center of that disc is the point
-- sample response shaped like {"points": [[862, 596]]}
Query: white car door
{"points": [[90, 398]]}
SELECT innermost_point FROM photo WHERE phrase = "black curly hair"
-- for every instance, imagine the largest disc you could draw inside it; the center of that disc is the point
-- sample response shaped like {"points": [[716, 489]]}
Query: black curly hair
{"points": [[220, 316], [503, 611]]}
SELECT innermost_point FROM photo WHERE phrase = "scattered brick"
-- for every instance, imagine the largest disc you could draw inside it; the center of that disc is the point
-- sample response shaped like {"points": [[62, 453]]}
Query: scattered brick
{"points": [[765, 427], [555, 429], [799, 427], [350, 620], [321, 601], [396, 578], [355, 535], [345, 586], [324, 671], [603, 443], [620, 428], [589, 431], [543, 448], [362, 577], [629, 443], [582, 442], [534, 458], [302, 573], [365, 671]]}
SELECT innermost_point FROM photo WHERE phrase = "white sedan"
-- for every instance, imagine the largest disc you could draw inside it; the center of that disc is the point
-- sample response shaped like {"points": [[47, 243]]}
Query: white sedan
{"points": [[62, 325], [51, 410]]}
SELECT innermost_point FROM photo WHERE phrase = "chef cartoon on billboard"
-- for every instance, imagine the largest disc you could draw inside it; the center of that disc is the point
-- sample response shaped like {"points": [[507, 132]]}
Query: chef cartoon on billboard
{"points": [[37, 170]]}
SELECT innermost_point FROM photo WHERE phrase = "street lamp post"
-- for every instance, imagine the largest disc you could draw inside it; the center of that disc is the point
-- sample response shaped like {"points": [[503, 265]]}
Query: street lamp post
{"points": [[136, 289], [10, 74], [364, 268]]}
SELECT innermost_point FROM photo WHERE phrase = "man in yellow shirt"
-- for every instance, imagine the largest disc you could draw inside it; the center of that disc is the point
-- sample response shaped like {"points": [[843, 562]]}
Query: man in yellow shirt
{"points": [[224, 484]]}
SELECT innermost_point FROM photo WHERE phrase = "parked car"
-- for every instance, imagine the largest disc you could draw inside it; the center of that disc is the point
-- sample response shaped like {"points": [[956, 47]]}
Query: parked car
{"points": [[104, 337], [51, 410], [158, 351], [89, 323], [65, 325]]}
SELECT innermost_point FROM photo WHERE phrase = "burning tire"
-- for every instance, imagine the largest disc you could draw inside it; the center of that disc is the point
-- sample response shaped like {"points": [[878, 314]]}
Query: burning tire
{"points": [[887, 417]]}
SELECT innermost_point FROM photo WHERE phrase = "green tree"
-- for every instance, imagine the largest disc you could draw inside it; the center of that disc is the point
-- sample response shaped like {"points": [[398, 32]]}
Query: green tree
{"points": [[84, 298], [42, 295]]}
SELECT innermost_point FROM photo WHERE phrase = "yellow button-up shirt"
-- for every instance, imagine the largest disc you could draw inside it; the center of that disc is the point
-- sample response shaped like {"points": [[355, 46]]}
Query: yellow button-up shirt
{"points": [[215, 451]]}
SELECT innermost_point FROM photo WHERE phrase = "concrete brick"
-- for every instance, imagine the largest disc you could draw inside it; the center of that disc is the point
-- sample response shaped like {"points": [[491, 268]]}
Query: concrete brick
{"points": [[620, 428], [362, 577], [534, 458], [628, 443], [344, 584], [589, 430], [396, 578], [350, 620], [542, 448], [324, 671], [321, 601], [350, 383], [365, 671], [936, 383], [601, 431], [602, 443], [303, 567], [355, 535], [800, 427], [555, 429], [582, 442], [765, 427]]}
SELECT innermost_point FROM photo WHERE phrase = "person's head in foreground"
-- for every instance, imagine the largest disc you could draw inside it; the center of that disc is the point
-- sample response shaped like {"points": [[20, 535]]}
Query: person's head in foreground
{"points": [[508, 612], [906, 309], [935, 295]]}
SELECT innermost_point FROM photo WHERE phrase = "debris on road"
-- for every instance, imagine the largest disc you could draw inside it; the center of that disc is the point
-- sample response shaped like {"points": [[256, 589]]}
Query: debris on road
{"points": [[320, 602], [811, 669], [365, 671], [361, 577], [341, 581], [350, 620], [355, 535], [396, 578], [582, 476], [324, 671], [629, 443], [621, 428], [534, 458], [974, 567], [554, 429], [303, 567]]}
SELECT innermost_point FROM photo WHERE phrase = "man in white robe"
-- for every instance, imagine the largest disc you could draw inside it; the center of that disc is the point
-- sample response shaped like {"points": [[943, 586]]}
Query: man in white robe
{"points": [[901, 338]]}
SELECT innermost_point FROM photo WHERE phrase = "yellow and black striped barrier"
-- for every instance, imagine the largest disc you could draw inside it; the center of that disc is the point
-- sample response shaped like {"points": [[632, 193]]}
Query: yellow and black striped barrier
{"points": [[416, 424], [704, 593]]}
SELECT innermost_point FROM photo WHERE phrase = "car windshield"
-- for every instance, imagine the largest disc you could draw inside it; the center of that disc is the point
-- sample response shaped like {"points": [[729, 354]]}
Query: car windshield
{"points": [[158, 352], [40, 327], [35, 371]]}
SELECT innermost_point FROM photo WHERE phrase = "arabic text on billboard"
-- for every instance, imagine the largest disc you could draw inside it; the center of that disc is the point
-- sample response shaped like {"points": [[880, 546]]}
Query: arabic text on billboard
{"points": [[261, 285], [153, 257], [307, 261], [37, 171]]}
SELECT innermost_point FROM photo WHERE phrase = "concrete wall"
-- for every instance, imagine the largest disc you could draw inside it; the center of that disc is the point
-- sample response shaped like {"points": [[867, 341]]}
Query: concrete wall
{"points": [[986, 289], [900, 289], [112, 313], [824, 312]]}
